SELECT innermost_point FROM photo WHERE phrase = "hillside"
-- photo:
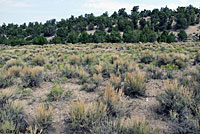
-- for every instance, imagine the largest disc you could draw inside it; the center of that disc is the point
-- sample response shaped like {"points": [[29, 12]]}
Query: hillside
{"points": [[162, 25], [100, 88]]}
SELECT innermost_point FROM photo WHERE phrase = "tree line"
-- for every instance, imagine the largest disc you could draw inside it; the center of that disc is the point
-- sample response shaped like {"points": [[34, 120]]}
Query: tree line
{"points": [[138, 26]]}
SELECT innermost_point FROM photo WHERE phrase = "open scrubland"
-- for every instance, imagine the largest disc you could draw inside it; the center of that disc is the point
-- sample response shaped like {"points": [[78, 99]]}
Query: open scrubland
{"points": [[100, 88]]}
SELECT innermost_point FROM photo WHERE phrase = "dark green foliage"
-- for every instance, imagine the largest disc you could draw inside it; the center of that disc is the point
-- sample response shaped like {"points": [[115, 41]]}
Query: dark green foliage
{"points": [[114, 37], [131, 36], [151, 24], [72, 37], [85, 38], [166, 36], [41, 40], [99, 37], [57, 40], [182, 36]]}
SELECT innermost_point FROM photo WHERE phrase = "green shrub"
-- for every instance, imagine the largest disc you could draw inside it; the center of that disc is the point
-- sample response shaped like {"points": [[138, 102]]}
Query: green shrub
{"points": [[55, 94], [134, 84], [32, 77]]}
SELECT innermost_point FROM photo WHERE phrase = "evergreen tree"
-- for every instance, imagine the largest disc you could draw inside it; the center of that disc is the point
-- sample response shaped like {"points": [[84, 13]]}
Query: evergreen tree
{"points": [[99, 37], [72, 37], [182, 36], [40, 40]]}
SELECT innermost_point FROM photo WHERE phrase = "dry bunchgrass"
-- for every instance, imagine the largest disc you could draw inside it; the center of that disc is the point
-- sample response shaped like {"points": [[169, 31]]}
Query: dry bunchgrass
{"points": [[14, 71], [97, 79], [13, 62], [112, 99], [134, 84], [43, 116], [74, 59], [32, 77], [115, 81], [174, 87], [38, 60]]}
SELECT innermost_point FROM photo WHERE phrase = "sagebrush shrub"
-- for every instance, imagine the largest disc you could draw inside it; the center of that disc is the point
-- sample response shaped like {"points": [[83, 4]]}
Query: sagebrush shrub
{"points": [[13, 62], [12, 116], [175, 99], [74, 60], [14, 71], [5, 79], [70, 71], [112, 100], [134, 84], [32, 77], [38, 60], [83, 117]]}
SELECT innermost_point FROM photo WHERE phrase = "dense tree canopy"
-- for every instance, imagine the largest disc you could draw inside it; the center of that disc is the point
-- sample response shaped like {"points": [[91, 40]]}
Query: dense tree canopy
{"points": [[144, 26]]}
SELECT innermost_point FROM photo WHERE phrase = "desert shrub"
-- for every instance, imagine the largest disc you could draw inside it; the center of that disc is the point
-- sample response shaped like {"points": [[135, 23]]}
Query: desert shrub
{"points": [[107, 70], [12, 116], [70, 71], [32, 77], [173, 59], [115, 81], [155, 72], [175, 99], [38, 60], [74, 60], [55, 94], [163, 59], [13, 62], [97, 79], [5, 80], [128, 126], [134, 84], [88, 87], [122, 66], [177, 103], [113, 58], [197, 58], [83, 75], [83, 117], [147, 58], [14, 71], [88, 59], [112, 100], [44, 116]]}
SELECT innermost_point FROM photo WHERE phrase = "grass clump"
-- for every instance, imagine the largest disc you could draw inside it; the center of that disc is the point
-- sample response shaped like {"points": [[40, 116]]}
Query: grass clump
{"points": [[83, 117], [14, 71], [38, 60], [44, 116], [134, 84], [5, 79], [13, 62], [55, 94], [32, 77], [12, 116]]}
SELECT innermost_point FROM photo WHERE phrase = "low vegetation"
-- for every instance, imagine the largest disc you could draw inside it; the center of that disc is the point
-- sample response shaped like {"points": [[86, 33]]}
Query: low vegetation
{"points": [[140, 88]]}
